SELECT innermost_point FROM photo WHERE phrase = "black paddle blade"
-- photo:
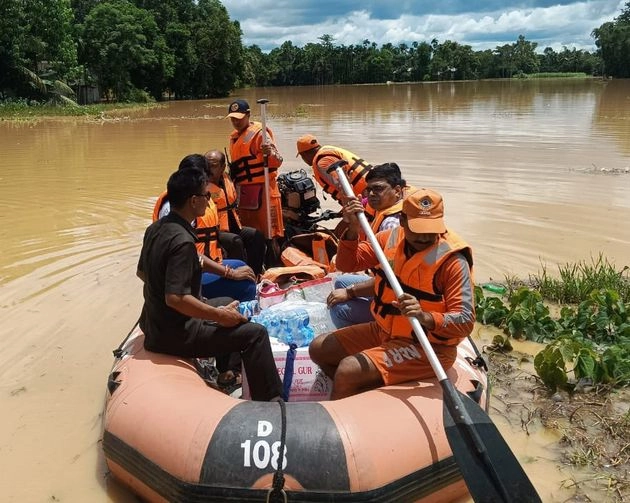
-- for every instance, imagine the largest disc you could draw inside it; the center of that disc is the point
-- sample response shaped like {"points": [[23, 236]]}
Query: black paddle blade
{"points": [[489, 468]]}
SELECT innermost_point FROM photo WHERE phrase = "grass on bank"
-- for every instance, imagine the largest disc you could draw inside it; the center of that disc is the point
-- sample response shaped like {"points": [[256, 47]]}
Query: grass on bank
{"points": [[575, 281], [28, 110], [589, 342]]}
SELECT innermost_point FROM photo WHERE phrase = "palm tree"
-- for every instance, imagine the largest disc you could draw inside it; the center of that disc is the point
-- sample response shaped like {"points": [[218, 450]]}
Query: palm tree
{"points": [[46, 85]]}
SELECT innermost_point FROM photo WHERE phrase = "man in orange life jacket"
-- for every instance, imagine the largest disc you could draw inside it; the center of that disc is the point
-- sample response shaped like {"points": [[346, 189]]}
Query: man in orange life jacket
{"points": [[321, 158], [350, 300], [248, 153], [433, 266], [238, 241]]}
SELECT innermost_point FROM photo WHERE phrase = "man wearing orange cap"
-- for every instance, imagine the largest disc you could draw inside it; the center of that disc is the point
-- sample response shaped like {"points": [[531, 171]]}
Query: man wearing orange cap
{"points": [[321, 158], [248, 153], [434, 267]]}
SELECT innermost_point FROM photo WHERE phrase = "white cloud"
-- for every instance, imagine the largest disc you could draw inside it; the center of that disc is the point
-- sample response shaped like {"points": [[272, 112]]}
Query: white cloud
{"points": [[268, 23]]}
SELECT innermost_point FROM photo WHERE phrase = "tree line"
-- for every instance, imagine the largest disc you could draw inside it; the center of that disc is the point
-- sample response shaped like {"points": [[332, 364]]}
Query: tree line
{"points": [[135, 50]]}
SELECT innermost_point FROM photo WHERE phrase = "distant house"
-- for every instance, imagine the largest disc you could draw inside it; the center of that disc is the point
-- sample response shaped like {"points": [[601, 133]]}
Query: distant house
{"points": [[87, 94]]}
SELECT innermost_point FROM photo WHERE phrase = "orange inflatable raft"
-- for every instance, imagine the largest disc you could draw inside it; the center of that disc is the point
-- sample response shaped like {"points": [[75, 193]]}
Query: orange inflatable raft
{"points": [[170, 437]]}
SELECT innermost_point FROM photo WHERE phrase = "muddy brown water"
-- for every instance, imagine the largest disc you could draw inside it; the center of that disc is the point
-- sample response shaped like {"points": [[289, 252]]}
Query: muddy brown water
{"points": [[531, 172]]}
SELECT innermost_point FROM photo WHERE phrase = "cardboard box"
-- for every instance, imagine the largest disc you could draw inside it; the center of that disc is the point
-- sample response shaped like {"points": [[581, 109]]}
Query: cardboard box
{"points": [[309, 383]]}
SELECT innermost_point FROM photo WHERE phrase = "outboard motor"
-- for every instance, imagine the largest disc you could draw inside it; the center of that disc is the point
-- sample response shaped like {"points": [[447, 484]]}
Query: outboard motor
{"points": [[298, 196]]}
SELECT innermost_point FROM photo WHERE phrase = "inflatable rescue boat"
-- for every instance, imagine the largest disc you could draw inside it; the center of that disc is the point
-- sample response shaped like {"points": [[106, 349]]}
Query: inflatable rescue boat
{"points": [[169, 436]]}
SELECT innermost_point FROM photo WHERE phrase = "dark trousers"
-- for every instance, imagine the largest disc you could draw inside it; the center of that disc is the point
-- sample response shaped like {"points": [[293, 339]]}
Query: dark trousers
{"points": [[249, 340], [248, 245], [252, 342]]}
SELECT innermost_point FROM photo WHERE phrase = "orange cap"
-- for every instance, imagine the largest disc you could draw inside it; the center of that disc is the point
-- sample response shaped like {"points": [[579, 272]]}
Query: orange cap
{"points": [[306, 143], [424, 209]]}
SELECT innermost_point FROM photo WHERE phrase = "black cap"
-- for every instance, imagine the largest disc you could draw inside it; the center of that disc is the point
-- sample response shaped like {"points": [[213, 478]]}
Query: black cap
{"points": [[238, 109]]}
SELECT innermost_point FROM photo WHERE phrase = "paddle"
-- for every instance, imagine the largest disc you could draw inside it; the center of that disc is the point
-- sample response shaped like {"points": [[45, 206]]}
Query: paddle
{"points": [[263, 114], [488, 466]]}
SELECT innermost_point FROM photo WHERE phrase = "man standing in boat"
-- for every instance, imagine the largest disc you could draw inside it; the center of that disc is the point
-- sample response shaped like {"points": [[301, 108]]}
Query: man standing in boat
{"points": [[250, 156], [174, 319], [433, 266]]}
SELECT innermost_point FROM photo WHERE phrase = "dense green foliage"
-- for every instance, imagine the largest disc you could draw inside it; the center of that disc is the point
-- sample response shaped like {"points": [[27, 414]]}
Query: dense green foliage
{"points": [[588, 342], [135, 49], [574, 282], [327, 63], [613, 41], [130, 49], [125, 49], [37, 49]]}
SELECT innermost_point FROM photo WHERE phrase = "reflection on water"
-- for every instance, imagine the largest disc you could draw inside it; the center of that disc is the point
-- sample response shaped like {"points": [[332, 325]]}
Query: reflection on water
{"points": [[519, 165]]}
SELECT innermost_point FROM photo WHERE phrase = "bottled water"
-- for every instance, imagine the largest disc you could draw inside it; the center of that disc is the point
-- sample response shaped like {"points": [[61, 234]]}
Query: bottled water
{"points": [[319, 318], [272, 322], [295, 328], [275, 326], [296, 322], [249, 308]]}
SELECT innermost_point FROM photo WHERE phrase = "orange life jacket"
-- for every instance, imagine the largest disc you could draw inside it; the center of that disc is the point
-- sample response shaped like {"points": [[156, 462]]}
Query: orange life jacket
{"points": [[248, 173], [299, 272], [416, 276], [163, 197], [206, 228], [355, 170], [226, 200], [246, 168], [316, 248], [379, 215]]}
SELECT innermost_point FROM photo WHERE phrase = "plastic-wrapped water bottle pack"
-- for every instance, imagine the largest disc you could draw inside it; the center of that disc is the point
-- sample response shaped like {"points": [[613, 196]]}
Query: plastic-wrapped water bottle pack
{"points": [[296, 321]]}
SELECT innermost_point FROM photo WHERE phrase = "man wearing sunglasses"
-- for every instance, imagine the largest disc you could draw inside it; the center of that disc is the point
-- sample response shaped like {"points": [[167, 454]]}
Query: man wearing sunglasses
{"points": [[174, 319], [350, 300]]}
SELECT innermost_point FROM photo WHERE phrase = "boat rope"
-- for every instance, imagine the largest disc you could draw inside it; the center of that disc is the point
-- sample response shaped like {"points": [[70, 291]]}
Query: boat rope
{"points": [[480, 361], [118, 352], [277, 494]]}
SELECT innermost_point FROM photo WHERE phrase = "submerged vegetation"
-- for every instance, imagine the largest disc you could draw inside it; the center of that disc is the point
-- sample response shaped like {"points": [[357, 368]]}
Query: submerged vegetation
{"points": [[588, 341], [557, 75], [22, 109]]}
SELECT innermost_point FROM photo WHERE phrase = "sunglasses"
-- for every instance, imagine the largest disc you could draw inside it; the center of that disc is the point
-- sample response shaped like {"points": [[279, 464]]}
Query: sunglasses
{"points": [[207, 195]]}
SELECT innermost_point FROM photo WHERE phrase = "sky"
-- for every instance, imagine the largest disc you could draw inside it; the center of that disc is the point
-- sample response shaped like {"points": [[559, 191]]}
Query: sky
{"points": [[482, 24]]}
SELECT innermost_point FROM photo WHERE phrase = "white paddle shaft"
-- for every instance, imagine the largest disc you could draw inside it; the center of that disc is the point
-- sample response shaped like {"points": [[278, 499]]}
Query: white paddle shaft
{"points": [[263, 115]]}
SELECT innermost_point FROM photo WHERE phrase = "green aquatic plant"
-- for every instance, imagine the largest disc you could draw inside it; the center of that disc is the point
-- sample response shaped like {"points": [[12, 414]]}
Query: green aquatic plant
{"points": [[528, 317], [490, 309], [568, 361], [603, 317], [590, 340]]}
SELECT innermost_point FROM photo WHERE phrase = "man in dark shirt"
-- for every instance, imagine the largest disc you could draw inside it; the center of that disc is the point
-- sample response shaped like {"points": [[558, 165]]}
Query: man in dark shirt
{"points": [[174, 319]]}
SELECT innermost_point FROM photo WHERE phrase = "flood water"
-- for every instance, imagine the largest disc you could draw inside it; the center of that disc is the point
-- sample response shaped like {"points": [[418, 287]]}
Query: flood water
{"points": [[531, 173]]}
